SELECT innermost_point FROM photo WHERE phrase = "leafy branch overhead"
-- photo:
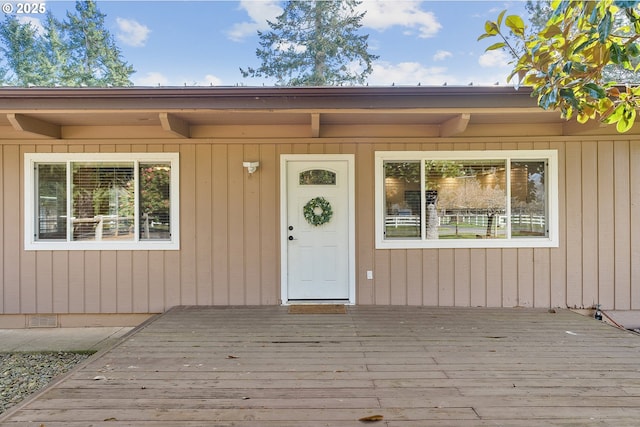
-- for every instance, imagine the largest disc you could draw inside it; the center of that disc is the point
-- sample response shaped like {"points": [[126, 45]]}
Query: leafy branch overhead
{"points": [[565, 60]]}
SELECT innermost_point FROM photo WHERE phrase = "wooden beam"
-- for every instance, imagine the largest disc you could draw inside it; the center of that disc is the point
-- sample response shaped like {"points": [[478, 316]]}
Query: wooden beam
{"points": [[454, 125], [572, 127], [172, 123], [24, 123], [315, 125]]}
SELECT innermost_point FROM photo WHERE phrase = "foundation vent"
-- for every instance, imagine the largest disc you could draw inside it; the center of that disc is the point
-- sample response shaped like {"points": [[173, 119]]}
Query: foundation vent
{"points": [[43, 321]]}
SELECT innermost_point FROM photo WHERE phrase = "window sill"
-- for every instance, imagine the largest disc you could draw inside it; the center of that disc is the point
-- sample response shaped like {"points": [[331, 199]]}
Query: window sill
{"points": [[468, 243], [103, 246]]}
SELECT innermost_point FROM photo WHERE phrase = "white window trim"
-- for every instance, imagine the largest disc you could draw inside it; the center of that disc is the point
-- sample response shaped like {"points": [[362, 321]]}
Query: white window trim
{"points": [[550, 241], [30, 243]]}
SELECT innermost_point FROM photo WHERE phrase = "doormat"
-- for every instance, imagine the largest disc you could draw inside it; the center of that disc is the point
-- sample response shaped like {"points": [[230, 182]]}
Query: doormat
{"points": [[318, 309]]}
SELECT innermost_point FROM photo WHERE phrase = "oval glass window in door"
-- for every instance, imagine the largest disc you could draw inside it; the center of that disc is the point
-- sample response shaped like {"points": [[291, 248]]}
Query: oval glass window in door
{"points": [[317, 177]]}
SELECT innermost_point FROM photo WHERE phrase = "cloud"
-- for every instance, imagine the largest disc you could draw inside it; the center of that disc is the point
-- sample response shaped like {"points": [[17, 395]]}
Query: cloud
{"points": [[494, 59], [441, 55], [153, 78], [380, 15], [408, 73], [383, 14], [260, 12], [212, 80], [493, 79], [131, 32], [284, 46], [35, 23]]}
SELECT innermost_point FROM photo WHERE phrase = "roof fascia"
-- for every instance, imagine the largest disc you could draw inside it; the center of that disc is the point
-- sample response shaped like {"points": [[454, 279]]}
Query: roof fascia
{"points": [[274, 98]]}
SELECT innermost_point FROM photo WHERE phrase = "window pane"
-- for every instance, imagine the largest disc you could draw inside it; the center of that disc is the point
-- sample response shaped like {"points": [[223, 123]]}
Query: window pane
{"points": [[528, 199], [402, 200], [51, 202], [155, 203], [318, 177], [466, 199], [103, 201]]}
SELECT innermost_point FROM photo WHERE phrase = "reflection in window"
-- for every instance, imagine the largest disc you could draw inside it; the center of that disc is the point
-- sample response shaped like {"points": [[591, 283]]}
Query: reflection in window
{"points": [[402, 199], [318, 177], [528, 199], [465, 199], [155, 202], [52, 202]]}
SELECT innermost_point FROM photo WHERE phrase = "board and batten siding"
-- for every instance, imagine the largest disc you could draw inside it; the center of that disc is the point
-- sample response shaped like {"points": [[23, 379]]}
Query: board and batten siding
{"points": [[230, 237]]}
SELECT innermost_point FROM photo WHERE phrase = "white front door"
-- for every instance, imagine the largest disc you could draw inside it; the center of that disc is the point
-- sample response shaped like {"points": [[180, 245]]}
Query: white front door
{"points": [[318, 264]]}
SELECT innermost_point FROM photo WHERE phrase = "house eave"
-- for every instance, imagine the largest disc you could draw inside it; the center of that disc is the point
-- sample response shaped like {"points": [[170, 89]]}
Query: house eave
{"points": [[330, 112]]}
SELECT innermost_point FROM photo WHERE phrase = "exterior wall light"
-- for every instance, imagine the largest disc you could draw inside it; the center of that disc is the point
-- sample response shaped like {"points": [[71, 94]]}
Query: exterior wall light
{"points": [[251, 166]]}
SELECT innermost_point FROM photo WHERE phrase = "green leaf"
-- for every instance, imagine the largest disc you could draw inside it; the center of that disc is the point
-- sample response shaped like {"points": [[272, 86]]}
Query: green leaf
{"points": [[626, 4], [604, 27], [567, 67], [584, 45], [633, 49], [499, 21], [617, 54], [491, 28], [615, 116], [516, 24], [551, 31], [495, 46], [594, 91], [569, 96], [626, 121], [549, 100], [582, 118]]}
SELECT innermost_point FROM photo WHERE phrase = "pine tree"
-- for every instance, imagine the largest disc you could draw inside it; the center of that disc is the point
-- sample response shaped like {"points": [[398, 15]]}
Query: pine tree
{"points": [[23, 53], [57, 55], [76, 52], [315, 43], [94, 58]]}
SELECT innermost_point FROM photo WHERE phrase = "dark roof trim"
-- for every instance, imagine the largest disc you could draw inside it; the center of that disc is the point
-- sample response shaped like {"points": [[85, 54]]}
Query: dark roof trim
{"points": [[270, 91], [252, 98]]}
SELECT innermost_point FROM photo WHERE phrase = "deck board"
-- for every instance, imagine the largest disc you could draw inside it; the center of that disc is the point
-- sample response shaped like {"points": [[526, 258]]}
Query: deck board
{"points": [[416, 366]]}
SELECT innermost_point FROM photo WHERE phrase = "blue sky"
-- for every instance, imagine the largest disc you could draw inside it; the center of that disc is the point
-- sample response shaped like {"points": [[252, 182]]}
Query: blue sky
{"points": [[200, 43]]}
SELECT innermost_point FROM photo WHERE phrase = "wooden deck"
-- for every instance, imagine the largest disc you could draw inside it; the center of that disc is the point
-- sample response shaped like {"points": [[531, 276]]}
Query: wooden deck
{"points": [[196, 366]]}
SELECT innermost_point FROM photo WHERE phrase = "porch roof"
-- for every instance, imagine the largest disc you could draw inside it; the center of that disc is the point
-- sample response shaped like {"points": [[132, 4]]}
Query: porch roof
{"points": [[27, 113]]}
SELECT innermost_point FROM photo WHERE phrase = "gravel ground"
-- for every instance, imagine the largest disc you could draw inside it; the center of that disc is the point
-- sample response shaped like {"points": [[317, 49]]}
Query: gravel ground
{"points": [[22, 374]]}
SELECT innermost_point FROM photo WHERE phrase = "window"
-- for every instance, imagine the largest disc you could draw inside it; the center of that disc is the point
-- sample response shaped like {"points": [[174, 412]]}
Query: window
{"points": [[466, 199], [317, 177], [101, 201]]}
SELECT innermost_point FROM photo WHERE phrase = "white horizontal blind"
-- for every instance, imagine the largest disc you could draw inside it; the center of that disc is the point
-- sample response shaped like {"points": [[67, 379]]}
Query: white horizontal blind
{"points": [[103, 201]]}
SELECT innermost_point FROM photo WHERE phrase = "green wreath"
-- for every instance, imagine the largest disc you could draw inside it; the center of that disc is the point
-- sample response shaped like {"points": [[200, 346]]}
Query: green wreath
{"points": [[318, 211]]}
